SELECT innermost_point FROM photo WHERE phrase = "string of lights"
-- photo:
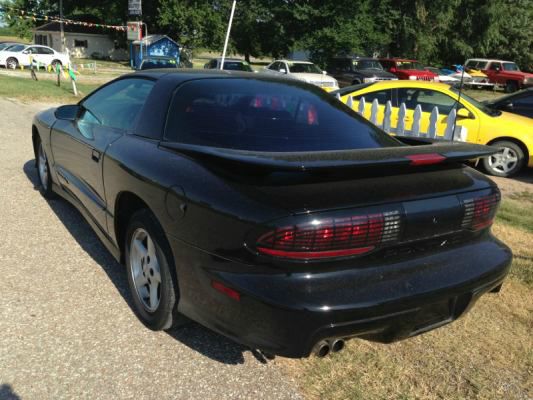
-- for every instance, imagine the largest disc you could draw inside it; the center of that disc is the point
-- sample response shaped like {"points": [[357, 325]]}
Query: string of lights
{"points": [[24, 14]]}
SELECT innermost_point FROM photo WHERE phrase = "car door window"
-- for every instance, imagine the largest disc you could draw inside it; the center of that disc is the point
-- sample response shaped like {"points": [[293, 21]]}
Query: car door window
{"points": [[32, 50], [495, 66], [428, 99], [46, 51], [117, 105], [381, 96], [274, 66]]}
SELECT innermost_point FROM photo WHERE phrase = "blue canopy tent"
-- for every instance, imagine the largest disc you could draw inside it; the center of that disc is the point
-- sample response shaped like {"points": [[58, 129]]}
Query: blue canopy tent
{"points": [[153, 45]]}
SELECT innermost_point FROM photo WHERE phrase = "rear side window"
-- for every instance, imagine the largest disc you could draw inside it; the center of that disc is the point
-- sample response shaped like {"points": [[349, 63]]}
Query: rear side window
{"points": [[251, 114], [118, 104]]}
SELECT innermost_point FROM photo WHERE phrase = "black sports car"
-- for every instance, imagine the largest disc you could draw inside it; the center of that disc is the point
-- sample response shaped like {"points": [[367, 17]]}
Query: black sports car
{"points": [[270, 212], [518, 103]]}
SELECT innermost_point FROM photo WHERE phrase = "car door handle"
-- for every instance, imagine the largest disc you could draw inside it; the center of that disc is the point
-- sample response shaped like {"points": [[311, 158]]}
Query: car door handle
{"points": [[96, 156]]}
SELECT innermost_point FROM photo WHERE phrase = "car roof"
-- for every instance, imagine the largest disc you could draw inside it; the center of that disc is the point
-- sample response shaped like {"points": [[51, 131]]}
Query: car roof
{"points": [[406, 83], [356, 58], [397, 59], [294, 61], [228, 59], [185, 74], [488, 60]]}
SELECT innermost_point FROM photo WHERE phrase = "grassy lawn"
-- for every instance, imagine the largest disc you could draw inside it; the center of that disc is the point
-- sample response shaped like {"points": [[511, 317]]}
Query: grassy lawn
{"points": [[43, 90], [488, 354], [8, 38]]}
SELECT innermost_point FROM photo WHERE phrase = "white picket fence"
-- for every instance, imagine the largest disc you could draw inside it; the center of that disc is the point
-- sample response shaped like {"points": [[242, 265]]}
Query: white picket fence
{"points": [[460, 133]]}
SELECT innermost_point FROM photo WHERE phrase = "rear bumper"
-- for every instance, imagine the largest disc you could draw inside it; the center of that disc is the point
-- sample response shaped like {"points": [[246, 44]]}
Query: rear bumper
{"points": [[286, 314]]}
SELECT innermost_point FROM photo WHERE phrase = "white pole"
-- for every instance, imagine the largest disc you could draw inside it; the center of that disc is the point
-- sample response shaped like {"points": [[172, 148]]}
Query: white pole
{"points": [[227, 34]]}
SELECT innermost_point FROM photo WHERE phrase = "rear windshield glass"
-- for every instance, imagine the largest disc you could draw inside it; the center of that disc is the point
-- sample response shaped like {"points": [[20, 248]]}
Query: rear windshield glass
{"points": [[297, 68], [257, 115], [409, 65], [237, 66]]}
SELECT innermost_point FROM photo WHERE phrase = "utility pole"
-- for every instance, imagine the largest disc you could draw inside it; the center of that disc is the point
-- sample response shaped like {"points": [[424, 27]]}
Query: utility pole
{"points": [[227, 34], [61, 26]]}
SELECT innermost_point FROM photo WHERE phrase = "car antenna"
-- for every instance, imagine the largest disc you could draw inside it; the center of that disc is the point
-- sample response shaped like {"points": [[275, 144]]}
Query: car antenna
{"points": [[458, 101]]}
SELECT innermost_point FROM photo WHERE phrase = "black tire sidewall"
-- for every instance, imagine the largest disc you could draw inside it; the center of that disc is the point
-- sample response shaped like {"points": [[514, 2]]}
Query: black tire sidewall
{"points": [[163, 317], [520, 164], [511, 87], [48, 192]]}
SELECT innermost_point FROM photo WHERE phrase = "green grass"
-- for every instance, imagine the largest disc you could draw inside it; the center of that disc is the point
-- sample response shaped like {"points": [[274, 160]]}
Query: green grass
{"points": [[42, 90], [11, 38], [517, 211]]}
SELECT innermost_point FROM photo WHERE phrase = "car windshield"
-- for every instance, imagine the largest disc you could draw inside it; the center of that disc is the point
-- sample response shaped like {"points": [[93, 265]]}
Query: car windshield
{"points": [[308, 68], [237, 66], [5, 45], [367, 64], [509, 66], [15, 48], [477, 64], [152, 63], [267, 116], [480, 106], [409, 65]]}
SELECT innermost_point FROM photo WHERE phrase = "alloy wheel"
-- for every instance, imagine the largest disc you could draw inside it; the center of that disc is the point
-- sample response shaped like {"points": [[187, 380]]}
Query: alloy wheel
{"points": [[145, 271], [504, 161]]}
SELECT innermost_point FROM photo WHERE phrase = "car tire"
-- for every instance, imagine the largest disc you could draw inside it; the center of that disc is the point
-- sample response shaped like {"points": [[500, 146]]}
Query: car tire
{"points": [[43, 173], [511, 87], [152, 281], [507, 162], [55, 63], [12, 63]]}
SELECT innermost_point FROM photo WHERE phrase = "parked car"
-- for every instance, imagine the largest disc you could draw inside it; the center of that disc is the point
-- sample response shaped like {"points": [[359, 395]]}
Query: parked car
{"points": [[304, 71], [153, 62], [407, 69], [512, 134], [20, 55], [354, 70], [517, 103], [450, 76], [230, 64], [266, 211], [502, 73]]}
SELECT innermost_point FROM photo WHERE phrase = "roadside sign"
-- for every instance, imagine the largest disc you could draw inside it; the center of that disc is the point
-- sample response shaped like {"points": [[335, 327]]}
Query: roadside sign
{"points": [[134, 7], [134, 30]]}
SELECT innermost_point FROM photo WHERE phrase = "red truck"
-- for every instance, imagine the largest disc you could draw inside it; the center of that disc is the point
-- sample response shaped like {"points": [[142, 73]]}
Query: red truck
{"points": [[502, 73], [407, 69]]}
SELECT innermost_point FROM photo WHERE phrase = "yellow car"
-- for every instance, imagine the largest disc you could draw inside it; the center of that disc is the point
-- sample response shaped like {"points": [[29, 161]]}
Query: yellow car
{"points": [[512, 133]]}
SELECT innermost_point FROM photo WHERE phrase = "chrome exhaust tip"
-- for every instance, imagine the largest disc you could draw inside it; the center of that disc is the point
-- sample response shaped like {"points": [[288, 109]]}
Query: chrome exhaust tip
{"points": [[337, 345], [321, 349]]}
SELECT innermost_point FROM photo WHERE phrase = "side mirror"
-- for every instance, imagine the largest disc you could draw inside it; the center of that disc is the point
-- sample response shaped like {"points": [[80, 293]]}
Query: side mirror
{"points": [[393, 69], [25, 52], [324, 72], [69, 112], [283, 70], [464, 113]]}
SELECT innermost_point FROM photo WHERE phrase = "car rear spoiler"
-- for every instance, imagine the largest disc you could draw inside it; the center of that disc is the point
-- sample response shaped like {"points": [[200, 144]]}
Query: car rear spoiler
{"points": [[425, 154]]}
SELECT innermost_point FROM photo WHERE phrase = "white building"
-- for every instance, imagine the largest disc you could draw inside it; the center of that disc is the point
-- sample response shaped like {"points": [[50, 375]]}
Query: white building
{"points": [[80, 41]]}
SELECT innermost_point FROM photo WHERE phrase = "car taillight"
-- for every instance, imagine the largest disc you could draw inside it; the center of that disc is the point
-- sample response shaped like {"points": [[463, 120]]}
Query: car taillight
{"points": [[331, 237], [480, 211]]}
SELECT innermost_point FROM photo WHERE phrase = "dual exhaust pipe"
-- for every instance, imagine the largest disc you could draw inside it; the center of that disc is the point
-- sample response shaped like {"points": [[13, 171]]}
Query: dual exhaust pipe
{"points": [[324, 347]]}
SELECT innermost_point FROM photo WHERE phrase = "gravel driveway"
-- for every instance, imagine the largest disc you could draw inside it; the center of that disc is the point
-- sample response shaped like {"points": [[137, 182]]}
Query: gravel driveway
{"points": [[66, 326]]}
